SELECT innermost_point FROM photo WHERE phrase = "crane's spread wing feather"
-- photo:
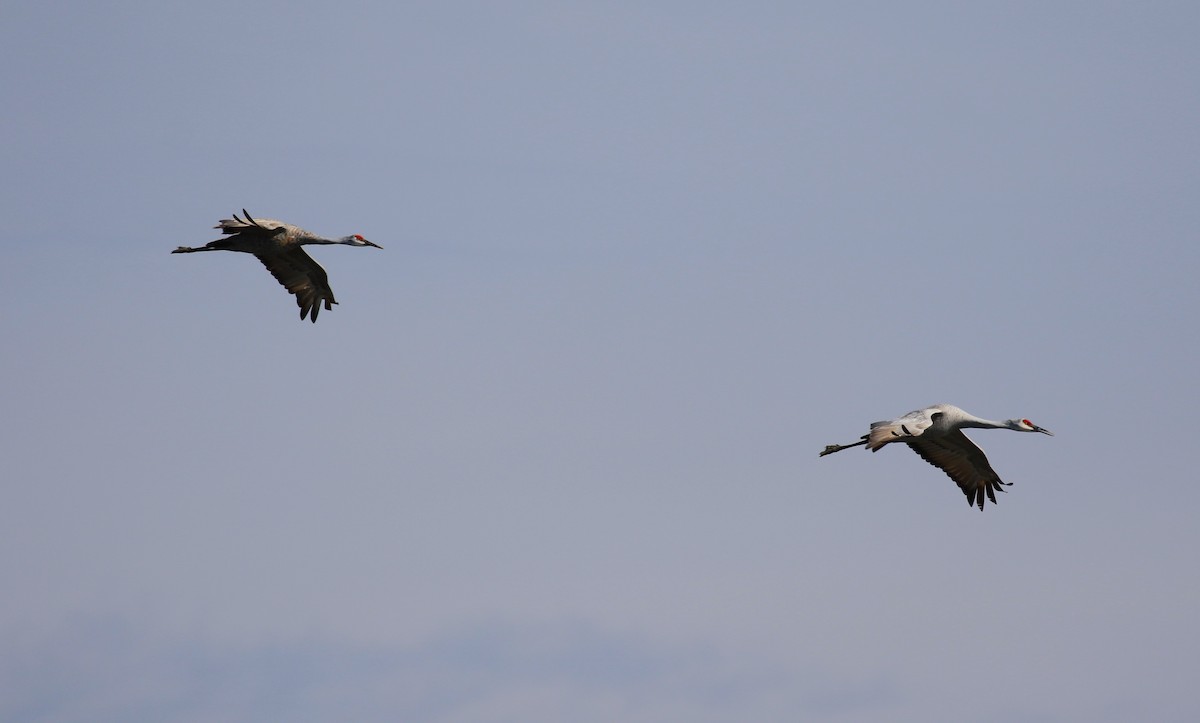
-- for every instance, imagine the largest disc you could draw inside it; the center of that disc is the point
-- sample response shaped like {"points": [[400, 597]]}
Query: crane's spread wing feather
{"points": [[251, 227], [301, 276], [963, 461], [903, 429]]}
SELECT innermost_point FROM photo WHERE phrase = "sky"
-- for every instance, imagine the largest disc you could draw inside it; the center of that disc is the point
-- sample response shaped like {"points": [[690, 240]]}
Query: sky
{"points": [[554, 455]]}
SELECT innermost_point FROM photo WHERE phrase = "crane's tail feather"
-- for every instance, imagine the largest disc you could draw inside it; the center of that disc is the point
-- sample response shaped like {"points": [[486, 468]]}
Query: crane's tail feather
{"points": [[892, 431]]}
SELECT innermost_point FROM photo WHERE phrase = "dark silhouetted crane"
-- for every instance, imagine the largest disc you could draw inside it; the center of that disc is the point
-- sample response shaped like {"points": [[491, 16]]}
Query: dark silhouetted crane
{"points": [[278, 246]]}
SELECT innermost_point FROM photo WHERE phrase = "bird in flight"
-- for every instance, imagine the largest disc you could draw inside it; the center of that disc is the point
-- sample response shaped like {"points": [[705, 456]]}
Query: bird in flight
{"points": [[278, 246], [935, 433]]}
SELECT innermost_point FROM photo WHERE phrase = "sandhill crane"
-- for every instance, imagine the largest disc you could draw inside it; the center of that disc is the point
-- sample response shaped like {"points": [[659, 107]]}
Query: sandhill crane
{"points": [[278, 246], [935, 433]]}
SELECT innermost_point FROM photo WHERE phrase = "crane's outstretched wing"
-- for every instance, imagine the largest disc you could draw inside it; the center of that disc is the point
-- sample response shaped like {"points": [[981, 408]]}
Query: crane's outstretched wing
{"points": [[251, 227], [301, 276], [963, 461], [903, 429]]}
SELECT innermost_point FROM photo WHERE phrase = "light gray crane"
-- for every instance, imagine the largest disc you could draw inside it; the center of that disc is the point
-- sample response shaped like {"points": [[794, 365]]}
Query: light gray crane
{"points": [[936, 434], [278, 246]]}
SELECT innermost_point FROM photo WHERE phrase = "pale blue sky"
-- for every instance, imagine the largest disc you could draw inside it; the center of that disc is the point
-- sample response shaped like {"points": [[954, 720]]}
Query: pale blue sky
{"points": [[554, 455]]}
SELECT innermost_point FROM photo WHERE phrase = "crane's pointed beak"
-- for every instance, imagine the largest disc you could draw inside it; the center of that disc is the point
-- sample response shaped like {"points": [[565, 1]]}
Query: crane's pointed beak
{"points": [[1043, 431], [372, 243]]}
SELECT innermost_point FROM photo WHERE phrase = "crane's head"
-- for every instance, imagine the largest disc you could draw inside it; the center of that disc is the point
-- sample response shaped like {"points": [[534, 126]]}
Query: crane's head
{"points": [[1024, 425], [356, 240]]}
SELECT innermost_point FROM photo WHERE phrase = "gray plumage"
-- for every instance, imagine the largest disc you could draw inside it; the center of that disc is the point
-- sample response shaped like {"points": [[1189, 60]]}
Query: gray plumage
{"points": [[935, 433], [278, 246]]}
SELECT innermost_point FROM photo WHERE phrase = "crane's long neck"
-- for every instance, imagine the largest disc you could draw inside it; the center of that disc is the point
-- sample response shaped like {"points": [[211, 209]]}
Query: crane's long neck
{"points": [[974, 422]]}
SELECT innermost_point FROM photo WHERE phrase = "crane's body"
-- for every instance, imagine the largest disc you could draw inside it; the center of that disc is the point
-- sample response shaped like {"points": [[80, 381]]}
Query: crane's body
{"points": [[935, 433], [278, 246]]}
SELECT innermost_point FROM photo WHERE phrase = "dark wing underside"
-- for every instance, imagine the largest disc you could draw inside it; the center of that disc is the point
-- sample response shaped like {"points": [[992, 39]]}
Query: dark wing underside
{"points": [[964, 462], [301, 276]]}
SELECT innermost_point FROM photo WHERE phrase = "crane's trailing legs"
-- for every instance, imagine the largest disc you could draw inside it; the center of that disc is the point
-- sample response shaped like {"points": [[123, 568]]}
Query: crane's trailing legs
{"points": [[830, 449], [219, 245]]}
